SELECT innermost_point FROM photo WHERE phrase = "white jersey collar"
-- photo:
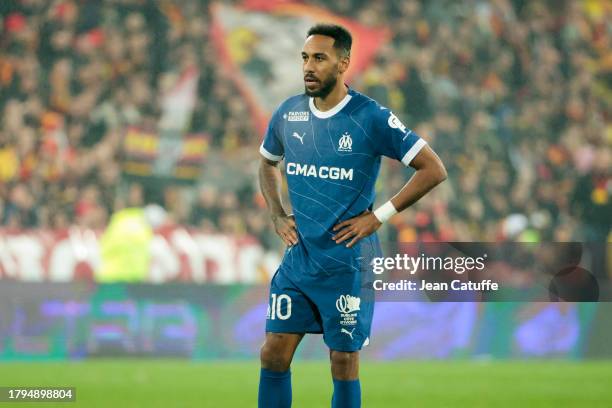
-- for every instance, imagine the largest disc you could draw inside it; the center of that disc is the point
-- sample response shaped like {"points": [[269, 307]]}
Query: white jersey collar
{"points": [[331, 112]]}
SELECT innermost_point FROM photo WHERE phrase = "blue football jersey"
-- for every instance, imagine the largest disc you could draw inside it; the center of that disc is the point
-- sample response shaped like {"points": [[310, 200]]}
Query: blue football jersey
{"points": [[332, 159]]}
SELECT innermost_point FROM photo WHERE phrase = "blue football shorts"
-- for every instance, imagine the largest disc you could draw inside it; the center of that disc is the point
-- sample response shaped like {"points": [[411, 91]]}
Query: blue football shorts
{"points": [[339, 304]]}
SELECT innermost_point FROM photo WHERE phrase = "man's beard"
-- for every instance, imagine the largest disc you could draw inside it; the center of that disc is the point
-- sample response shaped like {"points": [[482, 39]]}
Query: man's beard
{"points": [[326, 87]]}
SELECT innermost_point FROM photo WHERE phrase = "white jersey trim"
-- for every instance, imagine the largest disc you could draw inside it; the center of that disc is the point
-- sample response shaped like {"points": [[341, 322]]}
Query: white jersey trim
{"points": [[414, 150], [331, 112], [268, 155]]}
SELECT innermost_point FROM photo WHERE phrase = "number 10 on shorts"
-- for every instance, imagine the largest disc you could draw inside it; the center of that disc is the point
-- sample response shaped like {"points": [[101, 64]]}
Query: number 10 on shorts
{"points": [[276, 308]]}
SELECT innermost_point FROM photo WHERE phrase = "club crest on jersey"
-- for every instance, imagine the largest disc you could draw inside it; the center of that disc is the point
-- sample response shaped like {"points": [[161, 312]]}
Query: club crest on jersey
{"points": [[395, 123], [345, 144], [297, 116]]}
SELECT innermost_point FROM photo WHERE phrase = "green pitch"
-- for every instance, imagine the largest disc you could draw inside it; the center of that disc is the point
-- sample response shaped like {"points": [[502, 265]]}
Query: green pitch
{"points": [[172, 383]]}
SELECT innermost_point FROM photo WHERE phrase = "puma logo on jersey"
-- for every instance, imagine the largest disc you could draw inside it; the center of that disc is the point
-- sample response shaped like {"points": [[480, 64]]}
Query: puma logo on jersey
{"points": [[348, 333], [300, 138]]}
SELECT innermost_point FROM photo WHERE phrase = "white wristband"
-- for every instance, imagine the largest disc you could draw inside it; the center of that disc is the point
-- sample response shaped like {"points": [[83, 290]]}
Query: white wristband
{"points": [[385, 211]]}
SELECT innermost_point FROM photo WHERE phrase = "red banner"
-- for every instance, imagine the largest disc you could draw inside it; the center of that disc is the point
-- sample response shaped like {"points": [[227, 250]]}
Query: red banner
{"points": [[259, 43]]}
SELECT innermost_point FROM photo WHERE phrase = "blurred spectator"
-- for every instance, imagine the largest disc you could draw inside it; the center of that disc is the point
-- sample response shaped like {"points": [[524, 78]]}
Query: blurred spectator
{"points": [[19, 210], [205, 210]]}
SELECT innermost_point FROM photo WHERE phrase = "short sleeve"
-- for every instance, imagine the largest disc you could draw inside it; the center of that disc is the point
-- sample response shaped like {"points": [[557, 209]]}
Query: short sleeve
{"points": [[393, 139], [272, 146]]}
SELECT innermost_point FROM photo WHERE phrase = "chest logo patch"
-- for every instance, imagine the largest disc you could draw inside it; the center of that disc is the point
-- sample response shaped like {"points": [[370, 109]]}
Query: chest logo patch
{"points": [[345, 144], [297, 116]]}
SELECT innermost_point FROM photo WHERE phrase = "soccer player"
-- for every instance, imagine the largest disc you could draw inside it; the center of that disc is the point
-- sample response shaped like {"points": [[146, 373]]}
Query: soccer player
{"points": [[332, 139]]}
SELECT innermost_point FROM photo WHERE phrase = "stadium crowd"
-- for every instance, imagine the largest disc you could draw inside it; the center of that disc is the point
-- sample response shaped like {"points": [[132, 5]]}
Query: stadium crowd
{"points": [[512, 94]]}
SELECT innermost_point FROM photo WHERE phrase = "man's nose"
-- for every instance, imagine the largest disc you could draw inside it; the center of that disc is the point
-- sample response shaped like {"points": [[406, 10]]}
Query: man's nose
{"points": [[308, 67]]}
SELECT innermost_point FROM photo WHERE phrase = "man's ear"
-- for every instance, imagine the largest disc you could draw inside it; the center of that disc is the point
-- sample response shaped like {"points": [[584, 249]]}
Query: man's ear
{"points": [[344, 63]]}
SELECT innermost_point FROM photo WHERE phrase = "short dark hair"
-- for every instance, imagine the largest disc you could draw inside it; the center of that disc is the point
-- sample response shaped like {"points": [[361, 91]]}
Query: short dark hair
{"points": [[342, 38]]}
